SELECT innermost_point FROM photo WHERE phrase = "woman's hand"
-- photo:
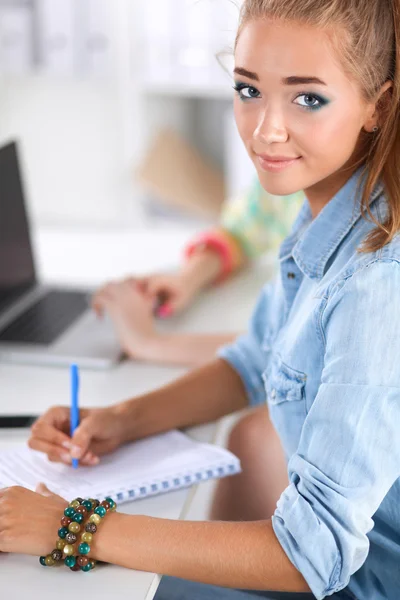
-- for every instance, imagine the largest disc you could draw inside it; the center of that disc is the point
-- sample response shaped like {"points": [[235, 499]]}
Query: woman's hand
{"points": [[131, 311], [29, 521], [101, 431], [173, 292]]}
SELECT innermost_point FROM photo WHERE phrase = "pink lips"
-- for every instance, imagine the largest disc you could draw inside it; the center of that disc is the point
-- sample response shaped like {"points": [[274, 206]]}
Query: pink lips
{"points": [[275, 163]]}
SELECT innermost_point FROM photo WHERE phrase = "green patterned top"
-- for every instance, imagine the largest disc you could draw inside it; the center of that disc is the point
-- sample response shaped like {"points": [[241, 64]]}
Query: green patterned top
{"points": [[259, 221]]}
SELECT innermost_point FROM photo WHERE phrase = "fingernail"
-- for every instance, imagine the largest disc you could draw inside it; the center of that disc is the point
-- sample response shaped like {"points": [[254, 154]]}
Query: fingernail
{"points": [[165, 311], [94, 460], [66, 444], [76, 452], [66, 458]]}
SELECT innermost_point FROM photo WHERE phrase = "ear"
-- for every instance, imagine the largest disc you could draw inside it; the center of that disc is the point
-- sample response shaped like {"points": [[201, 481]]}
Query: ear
{"points": [[378, 107]]}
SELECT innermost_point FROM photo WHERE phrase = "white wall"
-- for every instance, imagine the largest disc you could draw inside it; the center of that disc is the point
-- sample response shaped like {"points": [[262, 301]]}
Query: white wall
{"points": [[72, 135]]}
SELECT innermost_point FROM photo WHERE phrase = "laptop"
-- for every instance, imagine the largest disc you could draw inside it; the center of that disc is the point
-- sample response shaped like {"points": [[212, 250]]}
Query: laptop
{"points": [[38, 324]]}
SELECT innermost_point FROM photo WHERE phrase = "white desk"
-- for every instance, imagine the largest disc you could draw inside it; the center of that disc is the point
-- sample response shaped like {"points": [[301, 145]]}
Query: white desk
{"points": [[34, 389]]}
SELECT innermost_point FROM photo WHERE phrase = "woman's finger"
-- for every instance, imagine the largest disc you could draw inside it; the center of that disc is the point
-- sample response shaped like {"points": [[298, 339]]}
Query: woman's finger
{"points": [[58, 417], [159, 285], [46, 432], [59, 455], [54, 453]]}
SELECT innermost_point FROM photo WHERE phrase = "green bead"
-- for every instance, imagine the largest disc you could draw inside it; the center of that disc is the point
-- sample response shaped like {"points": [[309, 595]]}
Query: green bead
{"points": [[86, 568], [100, 510], [110, 501], [87, 504], [78, 518], [70, 561], [62, 532], [69, 512], [42, 561], [84, 548]]}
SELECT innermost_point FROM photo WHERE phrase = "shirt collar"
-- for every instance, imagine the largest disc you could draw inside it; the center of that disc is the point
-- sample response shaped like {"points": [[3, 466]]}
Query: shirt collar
{"points": [[312, 242]]}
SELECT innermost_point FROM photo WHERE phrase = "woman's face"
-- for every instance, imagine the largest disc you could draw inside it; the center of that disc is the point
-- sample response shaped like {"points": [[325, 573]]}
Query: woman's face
{"points": [[294, 101]]}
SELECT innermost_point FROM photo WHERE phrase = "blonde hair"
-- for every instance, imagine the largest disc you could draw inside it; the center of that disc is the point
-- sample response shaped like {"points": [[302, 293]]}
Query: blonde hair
{"points": [[366, 34]]}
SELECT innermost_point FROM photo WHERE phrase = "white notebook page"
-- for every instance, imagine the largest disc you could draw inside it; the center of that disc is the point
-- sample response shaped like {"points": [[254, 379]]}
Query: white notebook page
{"points": [[151, 466]]}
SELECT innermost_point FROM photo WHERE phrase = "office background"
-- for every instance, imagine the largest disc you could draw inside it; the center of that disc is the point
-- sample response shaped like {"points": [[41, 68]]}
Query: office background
{"points": [[88, 85]]}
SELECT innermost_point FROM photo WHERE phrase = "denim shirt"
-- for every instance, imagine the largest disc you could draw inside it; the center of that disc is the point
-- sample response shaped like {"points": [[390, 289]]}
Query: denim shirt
{"points": [[323, 349]]}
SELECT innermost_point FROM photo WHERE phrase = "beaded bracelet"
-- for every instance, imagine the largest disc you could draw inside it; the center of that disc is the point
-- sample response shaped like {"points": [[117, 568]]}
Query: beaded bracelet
{"points": [[83, 561], [73, 518]]}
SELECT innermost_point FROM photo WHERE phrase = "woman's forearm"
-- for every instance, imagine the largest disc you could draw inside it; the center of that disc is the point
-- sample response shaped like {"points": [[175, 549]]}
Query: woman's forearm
{"points": [[202, 269], [188, 349], [237, 555], [201, 396]]}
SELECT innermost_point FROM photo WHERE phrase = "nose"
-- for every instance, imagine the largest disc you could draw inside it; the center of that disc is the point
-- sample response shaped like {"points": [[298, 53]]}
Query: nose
{"points": [[270, 127]]}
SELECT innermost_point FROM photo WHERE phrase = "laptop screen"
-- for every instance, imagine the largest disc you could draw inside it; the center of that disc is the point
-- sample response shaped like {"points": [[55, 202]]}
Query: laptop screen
{"points": [[17, 271]]}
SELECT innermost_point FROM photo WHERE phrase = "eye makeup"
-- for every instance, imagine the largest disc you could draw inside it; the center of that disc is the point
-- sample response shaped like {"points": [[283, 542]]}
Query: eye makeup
{"points": [[309, 96], [313, 101], [241, 87]]}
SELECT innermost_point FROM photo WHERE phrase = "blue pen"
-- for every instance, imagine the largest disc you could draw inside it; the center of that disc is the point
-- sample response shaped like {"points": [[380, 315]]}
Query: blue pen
{"points": [[74, 372]]}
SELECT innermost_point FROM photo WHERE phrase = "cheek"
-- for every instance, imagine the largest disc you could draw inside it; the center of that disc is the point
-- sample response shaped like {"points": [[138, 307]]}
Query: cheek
{"points": [[246, 119], [333, 134]]}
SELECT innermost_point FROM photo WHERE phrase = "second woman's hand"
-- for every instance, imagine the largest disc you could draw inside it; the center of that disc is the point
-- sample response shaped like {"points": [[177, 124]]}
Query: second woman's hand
{"points": [[130, 309]]}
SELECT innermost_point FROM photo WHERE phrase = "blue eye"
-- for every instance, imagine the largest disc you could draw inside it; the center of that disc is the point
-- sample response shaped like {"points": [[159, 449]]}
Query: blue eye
{"points": [[246, 91], [311, 101]]}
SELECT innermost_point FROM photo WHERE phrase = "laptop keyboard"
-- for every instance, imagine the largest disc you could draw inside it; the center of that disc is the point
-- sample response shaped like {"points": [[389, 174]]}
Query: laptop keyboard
{"points": [[47, 319]]}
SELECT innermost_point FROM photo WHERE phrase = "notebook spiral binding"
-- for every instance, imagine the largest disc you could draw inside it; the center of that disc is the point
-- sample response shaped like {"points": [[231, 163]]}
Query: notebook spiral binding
{"points": [[181, 481]]}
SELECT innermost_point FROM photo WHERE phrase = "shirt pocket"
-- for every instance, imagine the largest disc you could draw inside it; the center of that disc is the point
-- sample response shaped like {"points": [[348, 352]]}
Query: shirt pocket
{"points": [[283, 383], [285, 389]]}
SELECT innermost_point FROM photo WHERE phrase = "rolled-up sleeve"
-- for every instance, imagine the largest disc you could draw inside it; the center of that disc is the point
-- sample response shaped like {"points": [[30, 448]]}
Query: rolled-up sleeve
{"points": [[247, 355], [349, 453]]}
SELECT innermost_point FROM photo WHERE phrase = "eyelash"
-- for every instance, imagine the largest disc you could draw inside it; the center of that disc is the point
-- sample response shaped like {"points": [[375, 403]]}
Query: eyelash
{"points": [[239, 87]]}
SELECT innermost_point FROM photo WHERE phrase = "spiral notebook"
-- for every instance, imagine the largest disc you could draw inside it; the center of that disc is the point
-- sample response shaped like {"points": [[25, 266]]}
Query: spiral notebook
{"points": [[155, 465]]}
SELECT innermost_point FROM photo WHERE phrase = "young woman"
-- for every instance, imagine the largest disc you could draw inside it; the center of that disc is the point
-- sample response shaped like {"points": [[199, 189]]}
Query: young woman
{"points": [[251, 224], [316, 508]]}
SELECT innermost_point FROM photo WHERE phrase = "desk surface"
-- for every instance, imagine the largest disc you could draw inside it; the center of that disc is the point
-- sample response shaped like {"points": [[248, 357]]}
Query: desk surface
{"points": [[26, 389]]}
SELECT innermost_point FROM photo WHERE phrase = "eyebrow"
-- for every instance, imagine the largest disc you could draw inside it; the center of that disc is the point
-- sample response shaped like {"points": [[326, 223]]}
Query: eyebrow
{"points": [[293, 80]]}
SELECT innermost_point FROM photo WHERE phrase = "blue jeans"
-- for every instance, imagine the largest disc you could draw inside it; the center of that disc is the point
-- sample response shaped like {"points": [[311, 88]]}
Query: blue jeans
{"points": [[172, 588]]}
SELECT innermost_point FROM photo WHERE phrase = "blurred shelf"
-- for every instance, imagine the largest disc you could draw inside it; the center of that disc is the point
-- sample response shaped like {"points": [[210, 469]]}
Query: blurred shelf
{"points": [[206, 90]]}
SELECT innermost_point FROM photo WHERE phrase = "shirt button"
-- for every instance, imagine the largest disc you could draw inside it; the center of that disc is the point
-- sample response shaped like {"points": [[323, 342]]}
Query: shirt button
{"points": [[273, 394], [291, 276]]}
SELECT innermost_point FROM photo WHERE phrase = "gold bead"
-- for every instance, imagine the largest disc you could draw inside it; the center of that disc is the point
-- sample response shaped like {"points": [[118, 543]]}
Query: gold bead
{"points": [[113, 508], [93, 563], [68, 549], [49, 560], [94, 519], [74, 527], [60, 544], [87, 537], [74, 504]]}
